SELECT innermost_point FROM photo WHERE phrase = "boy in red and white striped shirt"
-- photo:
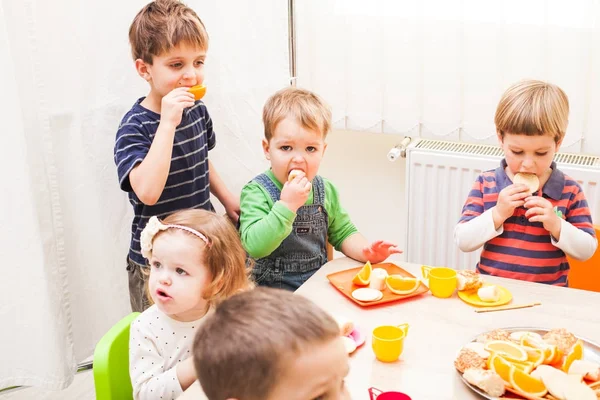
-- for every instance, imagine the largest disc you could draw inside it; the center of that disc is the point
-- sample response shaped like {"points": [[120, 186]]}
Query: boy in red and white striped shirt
{"points": [[527, 235]]}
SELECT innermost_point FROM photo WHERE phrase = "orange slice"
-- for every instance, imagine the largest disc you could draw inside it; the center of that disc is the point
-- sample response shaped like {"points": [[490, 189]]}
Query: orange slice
{"points": [[363, 278], [527, 368], [507, 349], [402, 285], [552, 355], [198, 91], [535, 356], [499, 365], [576, 353], [527, 384]]}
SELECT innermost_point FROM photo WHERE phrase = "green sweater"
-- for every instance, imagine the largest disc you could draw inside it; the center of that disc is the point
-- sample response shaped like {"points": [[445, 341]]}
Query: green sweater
{"points": [[264, 224]]}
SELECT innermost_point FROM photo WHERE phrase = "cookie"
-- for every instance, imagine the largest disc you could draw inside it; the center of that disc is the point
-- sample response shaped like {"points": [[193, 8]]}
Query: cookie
{"points": [[530, 180], [367, 294]]}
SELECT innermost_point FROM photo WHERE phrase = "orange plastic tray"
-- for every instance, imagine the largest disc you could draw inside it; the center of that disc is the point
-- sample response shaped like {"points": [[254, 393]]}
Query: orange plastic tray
{"points": [[342, 281]]}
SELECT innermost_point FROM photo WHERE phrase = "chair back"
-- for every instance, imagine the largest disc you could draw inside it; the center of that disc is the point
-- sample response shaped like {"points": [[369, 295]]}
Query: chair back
{"points": [[111, 362], [586, 274]]}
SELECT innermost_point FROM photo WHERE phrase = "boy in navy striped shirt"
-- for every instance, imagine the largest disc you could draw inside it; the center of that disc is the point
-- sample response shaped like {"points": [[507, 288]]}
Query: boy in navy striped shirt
{"points": [[162, 144], [528, 235]]}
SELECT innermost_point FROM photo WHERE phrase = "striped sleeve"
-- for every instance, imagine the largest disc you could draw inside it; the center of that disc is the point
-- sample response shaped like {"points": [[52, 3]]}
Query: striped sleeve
{"points": [[578, 212], [474, 205], [131, 147], [210, 134]]}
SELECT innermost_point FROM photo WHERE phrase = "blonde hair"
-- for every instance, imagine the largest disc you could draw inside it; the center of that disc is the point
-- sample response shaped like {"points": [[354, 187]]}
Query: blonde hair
{"points": [[533, 108], [224, 257], [242, 350], [162, 25], [308, 109]]}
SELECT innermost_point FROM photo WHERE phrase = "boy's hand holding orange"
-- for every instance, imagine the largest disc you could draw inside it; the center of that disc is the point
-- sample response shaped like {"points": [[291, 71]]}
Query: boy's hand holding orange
{"points": [[541, 210], [378, 251], [172, 105], [295, 192]]}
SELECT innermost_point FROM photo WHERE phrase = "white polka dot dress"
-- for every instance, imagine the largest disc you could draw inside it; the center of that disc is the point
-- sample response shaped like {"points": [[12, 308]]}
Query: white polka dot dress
{"points": [[156, 344]]}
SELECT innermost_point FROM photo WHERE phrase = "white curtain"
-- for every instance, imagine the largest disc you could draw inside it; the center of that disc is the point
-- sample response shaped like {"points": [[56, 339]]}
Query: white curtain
{"points": [[437, 68], [66, 79]]}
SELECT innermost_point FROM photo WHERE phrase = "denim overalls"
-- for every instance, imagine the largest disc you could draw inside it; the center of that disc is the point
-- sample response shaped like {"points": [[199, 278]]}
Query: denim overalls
{"points": [[304, 251]]}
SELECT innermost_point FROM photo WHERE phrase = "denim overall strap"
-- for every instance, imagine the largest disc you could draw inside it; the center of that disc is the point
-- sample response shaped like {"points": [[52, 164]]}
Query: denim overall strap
{"points": [[318, 191], [264, 181], [304, 251]]}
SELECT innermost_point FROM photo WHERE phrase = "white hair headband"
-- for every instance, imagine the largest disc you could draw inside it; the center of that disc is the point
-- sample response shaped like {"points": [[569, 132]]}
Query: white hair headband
{"points": [[154, 226]]}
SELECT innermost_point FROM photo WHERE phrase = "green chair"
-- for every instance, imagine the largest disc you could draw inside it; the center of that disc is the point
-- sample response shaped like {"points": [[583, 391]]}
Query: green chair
{"points": [[111, 362]]}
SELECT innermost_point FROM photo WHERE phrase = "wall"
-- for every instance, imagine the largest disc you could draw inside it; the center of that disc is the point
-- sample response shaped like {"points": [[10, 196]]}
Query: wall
{"points": [[371, 187]]}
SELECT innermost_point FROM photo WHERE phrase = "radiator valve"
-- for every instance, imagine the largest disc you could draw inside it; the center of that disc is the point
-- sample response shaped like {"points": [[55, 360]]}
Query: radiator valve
{"points": [[399, 150]]}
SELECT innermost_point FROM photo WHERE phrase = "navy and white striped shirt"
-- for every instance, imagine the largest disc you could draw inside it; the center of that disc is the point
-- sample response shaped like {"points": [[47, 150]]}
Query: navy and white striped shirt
{"points": [[187, 184]]}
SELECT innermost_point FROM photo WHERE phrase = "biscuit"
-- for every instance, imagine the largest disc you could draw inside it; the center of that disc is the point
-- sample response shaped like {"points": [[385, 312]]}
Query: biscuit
{"points": [[367, 294], [530, 180], [293, 173], [468, 280], [562, 338], [468, 359], [496, 334]]}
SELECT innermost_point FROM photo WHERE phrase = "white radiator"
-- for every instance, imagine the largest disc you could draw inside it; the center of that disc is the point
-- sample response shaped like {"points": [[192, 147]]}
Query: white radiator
{"points": [[439, 176]]}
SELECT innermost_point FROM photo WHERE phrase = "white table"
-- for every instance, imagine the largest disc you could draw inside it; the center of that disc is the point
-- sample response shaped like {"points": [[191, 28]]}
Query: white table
{"points": [[438, 329]]}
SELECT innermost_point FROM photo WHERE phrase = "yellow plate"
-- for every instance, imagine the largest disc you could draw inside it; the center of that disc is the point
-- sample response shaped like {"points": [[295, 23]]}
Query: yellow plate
{"points": [[472, 298]]}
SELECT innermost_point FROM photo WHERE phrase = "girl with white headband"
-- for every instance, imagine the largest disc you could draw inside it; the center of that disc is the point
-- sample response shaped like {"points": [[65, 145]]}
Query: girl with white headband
{"points": [[196, 260]]}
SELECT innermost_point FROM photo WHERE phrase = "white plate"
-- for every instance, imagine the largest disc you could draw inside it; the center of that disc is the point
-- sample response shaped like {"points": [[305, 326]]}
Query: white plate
{"points": [[367, 294], [590, 349]]}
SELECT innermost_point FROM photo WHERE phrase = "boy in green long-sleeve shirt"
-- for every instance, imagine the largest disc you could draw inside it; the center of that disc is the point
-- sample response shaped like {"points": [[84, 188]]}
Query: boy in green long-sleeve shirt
{"points": [[289, 212]]}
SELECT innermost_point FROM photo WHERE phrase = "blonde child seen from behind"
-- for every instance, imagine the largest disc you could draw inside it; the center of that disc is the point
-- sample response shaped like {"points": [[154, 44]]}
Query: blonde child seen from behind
{"points": [[196, 260], [270, 344]]}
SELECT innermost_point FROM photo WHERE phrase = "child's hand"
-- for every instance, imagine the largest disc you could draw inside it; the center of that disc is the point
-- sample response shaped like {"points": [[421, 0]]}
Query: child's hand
{"points": [[173, 103], [541, 210], [295, 192], [379, 251], [233, 210], [509, 198]]}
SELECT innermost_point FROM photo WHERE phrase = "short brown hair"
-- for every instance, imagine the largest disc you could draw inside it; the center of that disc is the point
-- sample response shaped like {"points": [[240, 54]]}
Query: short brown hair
{"points": [[533, 108], [303, 105], [243, 348], [225, 257], [162, 25]]}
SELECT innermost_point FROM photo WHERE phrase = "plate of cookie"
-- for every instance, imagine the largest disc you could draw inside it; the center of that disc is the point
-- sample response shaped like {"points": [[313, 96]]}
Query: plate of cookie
{"points": [[531, 363], [473, 290]]}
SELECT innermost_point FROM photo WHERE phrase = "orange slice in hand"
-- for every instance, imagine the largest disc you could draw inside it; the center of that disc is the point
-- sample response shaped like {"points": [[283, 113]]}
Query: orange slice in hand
{"points": [[576, 353], [526, 384], [363, 278], [509, 350], [198, 91], [402, 285]]}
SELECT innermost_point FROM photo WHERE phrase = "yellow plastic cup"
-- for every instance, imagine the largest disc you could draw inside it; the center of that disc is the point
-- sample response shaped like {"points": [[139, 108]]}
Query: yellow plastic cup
{"points": [[388, 342], [442, 280]]}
